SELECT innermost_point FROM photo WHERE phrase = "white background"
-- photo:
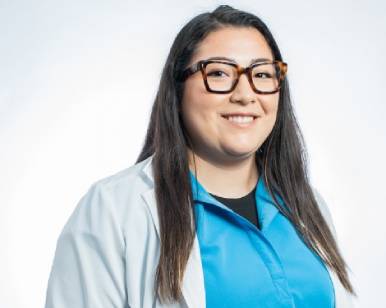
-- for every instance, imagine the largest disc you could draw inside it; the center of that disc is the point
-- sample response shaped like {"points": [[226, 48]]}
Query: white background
{"points": [[77, 81]]}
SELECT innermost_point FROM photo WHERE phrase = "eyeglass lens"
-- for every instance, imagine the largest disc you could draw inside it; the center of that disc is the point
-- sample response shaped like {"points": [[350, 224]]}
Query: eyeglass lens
{"points": [[222, 76]]}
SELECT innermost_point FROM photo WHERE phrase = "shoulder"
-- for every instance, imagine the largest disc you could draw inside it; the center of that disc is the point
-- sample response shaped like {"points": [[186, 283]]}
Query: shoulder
{"points": [[115, 199], [132, 178], [109, 227], [343, 298], [325, 210]]}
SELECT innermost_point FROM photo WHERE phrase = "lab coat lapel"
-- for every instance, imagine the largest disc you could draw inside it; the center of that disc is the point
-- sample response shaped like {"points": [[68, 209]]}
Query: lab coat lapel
{"points": [[193, 282]]}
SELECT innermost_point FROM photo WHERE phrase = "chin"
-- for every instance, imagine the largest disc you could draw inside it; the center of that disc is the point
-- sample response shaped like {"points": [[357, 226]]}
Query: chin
{"points": [[240, 152]]}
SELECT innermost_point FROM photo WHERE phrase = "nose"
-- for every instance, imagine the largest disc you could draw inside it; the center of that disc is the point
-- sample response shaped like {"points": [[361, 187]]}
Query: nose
{"points": [[243, 92]]}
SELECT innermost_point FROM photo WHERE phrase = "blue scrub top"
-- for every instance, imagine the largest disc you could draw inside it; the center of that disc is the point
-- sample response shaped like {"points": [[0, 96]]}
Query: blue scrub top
{"points": [[247, 267]]}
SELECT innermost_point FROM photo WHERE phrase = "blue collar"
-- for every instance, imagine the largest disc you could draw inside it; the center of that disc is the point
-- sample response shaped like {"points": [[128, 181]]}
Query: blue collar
{"points": [[265, 206]]}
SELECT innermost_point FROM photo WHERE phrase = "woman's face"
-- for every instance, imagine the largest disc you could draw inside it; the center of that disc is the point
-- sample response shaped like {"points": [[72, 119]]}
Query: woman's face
{"points": [[213, 135]]}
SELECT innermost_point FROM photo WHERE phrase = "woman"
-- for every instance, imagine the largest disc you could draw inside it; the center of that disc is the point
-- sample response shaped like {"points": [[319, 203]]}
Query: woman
{"points": [[218, 210]]}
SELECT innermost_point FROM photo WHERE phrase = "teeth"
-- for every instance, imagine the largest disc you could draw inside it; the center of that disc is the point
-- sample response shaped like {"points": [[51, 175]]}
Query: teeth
{"points": [[240, 119]]}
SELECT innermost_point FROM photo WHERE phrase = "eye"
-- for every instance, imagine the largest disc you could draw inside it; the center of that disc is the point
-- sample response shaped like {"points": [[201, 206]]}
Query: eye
{"points": [[217, 74], [263, 75]]}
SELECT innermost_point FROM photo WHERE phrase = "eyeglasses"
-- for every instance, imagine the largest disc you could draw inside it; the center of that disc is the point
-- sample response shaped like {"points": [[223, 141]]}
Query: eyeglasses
{"points": [[222, 77]]}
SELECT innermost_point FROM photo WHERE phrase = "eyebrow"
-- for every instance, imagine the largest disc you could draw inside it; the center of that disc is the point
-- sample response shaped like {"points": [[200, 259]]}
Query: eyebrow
{"points": [[256, 60]]}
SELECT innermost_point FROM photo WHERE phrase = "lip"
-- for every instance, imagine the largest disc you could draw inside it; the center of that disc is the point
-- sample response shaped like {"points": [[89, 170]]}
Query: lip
{"points": [[241, 114], [241, 125]]}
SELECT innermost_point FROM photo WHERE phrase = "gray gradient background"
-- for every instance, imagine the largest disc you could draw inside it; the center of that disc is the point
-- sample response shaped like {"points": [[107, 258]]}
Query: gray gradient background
{"points": [[72, 110]]}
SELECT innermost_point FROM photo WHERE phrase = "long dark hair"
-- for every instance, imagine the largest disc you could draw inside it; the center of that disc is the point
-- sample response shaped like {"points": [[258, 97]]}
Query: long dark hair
{"points": [[282, 155]]}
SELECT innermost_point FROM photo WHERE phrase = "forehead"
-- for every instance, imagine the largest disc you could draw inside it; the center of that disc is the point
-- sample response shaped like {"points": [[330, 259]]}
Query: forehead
{"points": [[240, 44]]}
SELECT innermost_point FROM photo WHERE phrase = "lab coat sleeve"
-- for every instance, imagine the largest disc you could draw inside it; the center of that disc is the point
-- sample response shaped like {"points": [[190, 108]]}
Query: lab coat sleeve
{"points": [[88, 270]]}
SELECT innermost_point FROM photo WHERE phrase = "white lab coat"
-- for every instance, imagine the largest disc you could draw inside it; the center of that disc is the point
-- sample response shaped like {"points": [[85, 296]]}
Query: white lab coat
{"points": [[107, 252]]}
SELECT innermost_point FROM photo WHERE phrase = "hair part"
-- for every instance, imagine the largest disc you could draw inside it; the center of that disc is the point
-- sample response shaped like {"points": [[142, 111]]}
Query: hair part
{"points": [[282, 157]]}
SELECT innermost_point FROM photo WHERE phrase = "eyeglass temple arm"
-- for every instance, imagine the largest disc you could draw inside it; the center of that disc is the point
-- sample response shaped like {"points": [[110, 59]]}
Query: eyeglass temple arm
{"points": [[190, 71]]}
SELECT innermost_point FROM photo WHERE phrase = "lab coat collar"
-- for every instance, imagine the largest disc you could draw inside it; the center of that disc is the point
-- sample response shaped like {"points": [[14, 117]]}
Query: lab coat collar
{"points": [[193, 282]]}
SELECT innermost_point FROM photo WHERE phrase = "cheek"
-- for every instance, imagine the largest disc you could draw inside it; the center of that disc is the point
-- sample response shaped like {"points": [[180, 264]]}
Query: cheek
{"points": [[197, 119], [270, 104], [198, 105]]}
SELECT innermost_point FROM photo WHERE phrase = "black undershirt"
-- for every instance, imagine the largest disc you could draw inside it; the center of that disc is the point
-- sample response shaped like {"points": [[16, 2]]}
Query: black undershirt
{"points": [[244, 206]]}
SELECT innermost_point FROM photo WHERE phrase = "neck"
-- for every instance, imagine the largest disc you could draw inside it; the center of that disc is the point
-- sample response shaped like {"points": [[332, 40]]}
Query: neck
{"points": [[231, 180]]}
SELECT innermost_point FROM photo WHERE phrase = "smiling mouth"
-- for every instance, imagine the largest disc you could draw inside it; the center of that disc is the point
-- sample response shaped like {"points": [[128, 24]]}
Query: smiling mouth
{"points": [[240, 121]]}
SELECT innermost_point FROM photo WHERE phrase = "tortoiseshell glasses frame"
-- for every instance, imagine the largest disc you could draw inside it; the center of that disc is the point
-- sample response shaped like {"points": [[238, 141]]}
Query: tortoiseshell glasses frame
{"points": [[201, 65]]}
